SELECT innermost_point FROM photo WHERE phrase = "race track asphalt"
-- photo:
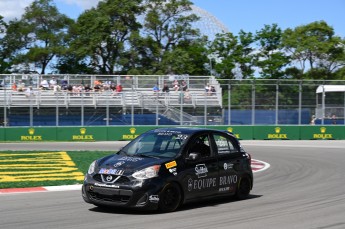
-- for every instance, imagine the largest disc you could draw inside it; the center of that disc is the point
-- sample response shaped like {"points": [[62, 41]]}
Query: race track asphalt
{"points": [[303, 188]]}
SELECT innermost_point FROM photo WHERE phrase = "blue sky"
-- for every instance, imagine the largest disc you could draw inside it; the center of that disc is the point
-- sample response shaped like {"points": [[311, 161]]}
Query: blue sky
{"points": [[249, 15]]}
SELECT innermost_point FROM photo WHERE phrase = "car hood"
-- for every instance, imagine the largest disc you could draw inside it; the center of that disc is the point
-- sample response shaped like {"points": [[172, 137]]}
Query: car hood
{"points": [[126, 165]]}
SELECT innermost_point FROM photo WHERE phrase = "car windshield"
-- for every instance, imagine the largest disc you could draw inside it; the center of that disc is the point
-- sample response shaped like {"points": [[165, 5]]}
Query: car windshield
{"points": [[157, 144]]}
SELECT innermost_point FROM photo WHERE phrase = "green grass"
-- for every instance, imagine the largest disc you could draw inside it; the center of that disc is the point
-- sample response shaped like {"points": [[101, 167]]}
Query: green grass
{"points": [[16, 159]]}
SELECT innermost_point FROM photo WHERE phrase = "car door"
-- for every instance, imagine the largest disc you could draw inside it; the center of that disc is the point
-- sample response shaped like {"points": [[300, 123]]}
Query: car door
{"points": [[229, 161], [200, 177]]}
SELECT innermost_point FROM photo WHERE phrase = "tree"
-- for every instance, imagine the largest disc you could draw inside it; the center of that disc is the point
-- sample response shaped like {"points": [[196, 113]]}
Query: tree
{"points": [[4, 65], [315, 48], [101, 35], [39, 35], [236, 53], [270, 57], [167, 26]]}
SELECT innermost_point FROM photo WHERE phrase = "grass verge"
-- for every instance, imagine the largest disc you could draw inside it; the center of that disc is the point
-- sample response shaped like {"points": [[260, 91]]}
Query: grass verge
{"points": [[20, 169]]}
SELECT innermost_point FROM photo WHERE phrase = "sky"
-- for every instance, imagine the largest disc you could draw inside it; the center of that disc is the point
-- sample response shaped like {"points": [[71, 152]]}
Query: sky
{"points": [[248, 15]]}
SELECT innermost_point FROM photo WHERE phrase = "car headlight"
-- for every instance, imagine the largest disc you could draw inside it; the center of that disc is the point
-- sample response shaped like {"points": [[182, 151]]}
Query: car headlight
{"points": [[147, 173], [92, 168]]}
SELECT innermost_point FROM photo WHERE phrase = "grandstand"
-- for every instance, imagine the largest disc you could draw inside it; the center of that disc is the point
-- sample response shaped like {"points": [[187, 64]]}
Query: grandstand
{"points": [[105, 107]]}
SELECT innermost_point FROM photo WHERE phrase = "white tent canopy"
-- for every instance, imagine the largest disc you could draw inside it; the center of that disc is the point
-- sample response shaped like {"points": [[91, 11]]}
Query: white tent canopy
{"points": [[330, 88]]}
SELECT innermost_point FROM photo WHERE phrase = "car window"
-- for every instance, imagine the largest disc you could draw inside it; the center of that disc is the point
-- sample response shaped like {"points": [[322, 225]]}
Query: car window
{"points": [[224, 145], [158, 144], [201, 145]]}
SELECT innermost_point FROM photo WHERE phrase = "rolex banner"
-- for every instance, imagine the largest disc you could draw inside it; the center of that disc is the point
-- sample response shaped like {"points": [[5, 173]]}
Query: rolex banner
{"points": [[30, 134], [276, 132], [327, 132], [128, 133]]}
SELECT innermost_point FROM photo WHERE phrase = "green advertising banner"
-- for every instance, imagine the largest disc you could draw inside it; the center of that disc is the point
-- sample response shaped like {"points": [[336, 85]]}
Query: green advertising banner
{"points": [[276, 132], [30, 134], [127, 133], [322, 132], [241, 132], [82, 134], [2, 134]]}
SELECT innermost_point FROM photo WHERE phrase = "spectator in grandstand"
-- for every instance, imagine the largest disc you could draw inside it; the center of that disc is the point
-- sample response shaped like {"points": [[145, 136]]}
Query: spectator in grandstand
{"points": [[29, 92], [44, 84], [14, 86], [69, 88], [212, 90], [176, 85], [87, 88], [97, 87], [113, 87], [165, 88], [207, 88], [57, 88], [119, 88], [334, 119], [184, 85], [64, 84], [187, 96], [52, 82], [312, 120], [21, 86], [155, 89]]}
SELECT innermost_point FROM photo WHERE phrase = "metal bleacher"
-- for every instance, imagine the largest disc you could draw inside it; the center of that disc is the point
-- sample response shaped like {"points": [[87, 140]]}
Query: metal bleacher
{"points": [[136, 93]]}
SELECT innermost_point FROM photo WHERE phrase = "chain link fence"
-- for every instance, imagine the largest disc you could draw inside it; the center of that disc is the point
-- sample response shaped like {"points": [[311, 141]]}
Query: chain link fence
{"points": [[67, 102]]}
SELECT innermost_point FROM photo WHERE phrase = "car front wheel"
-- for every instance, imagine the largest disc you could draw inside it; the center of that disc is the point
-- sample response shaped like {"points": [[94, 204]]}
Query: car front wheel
{"points": [[170, 198]]}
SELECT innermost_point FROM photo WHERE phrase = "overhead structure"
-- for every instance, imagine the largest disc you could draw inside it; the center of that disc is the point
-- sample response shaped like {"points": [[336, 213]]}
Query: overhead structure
{"points": [[208, 24]]}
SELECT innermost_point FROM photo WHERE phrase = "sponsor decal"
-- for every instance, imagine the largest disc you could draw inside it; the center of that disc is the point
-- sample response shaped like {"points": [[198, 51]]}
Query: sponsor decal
{"points": [[111, 171], [173, 171], [322, 134], [131, 159], [154, 198], [82, 135], [170, 164], [107, 185], [277, 134], [230, 129], [226, 189], [201, 170], [227, 180], [117, 164], [31, 136], [201, 183], [130, 136], [228, 166]]}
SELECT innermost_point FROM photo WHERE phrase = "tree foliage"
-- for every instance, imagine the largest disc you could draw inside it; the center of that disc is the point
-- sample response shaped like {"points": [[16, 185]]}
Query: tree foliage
{"points": [[39, 35], [159, 37], [101, 34]]}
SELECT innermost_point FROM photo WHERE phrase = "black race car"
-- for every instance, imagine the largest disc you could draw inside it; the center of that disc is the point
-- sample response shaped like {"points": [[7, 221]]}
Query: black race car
{"points": [[166, 167]]}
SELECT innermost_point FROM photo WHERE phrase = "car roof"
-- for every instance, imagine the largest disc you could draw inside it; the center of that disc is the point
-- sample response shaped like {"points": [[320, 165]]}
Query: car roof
{"points": [[187, 130]]}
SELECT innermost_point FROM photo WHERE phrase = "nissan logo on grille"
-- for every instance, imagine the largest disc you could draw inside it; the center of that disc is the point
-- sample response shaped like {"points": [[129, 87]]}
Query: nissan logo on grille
{"points": [[109, 178]]}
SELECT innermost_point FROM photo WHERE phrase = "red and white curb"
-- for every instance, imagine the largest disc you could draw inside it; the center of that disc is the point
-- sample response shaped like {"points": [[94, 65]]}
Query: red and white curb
{"points": [[41, 189], [257, 166]]}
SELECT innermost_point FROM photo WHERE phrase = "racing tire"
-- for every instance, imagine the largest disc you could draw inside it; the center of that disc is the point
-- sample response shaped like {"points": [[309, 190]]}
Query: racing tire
{"points": [[170, 198], [243, 189]]}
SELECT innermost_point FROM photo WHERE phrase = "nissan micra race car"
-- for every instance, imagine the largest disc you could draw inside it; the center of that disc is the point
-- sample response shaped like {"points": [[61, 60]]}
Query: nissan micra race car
{"points": [[166, 167]]}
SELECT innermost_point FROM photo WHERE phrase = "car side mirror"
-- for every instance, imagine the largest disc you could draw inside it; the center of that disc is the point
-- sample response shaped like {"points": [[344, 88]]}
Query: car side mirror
{"points": [[193, 156]]}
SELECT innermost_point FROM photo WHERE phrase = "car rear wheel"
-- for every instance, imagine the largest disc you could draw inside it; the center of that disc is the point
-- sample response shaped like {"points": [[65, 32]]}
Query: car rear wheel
{"points": [[243, 188], [170, 198]]}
